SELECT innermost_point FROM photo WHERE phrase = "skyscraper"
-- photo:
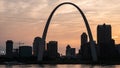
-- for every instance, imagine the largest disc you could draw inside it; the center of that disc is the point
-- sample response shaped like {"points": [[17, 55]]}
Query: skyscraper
{"points": [[68, 50], [84, 38], [52, 49], [39, 48], [36, 45], [85, 50], [104, 34], [9, 48], [106, 44]]}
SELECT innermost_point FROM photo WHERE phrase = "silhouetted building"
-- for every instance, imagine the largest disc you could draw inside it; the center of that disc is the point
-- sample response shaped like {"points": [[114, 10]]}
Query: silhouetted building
{"points": [[85, 50], [70, 52], [25, 51], [84, 39], [39, 48], [118, 48], [9, 48], [52, 49], [106, 44], [104, 34], [36, 45]]}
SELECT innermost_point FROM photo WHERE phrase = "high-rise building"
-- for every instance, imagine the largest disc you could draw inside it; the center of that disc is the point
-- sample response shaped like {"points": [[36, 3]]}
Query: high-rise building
{"points": [[36, 45], [39, 48], [52, 49], [85, 50], [72, 51], [106, 44], [104, 34], [84, 39], [9, 48], [68, 50]]}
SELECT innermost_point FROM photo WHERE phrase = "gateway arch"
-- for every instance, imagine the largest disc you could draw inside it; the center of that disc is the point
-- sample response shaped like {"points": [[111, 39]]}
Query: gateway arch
{"points": [[92, 43]]}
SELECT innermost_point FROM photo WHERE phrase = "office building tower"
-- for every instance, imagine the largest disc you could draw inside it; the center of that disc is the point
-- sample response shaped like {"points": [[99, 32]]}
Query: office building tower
{"points": [[85, 50], [106, 44], [9, 48], [70, 52], [36, 45], [84, 39], [104, 34], [52, 49], [39, 48]]}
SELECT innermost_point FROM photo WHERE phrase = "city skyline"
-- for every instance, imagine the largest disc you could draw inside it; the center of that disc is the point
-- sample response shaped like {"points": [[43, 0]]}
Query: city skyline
{"points": [[105, 49], [18, 28], [103, 33]]}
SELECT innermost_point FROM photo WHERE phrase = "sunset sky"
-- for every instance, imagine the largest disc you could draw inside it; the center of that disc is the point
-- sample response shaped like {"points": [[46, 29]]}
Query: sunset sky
{"points": [[22, 20]]}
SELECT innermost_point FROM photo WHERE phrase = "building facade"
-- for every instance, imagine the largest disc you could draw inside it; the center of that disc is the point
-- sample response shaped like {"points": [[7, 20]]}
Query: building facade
{"points": [[36, 45], [25, 51], [106, 44], [9, 48], [70, 52], [52, 49], [85, 50]]}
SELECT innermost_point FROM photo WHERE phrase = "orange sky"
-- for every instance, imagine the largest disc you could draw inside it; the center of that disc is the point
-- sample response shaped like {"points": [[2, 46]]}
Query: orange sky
{"points": [[22, 20]]}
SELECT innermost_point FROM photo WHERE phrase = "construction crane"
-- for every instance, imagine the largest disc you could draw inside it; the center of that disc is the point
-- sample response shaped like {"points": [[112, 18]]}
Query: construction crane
{"points": [[20, 43]]}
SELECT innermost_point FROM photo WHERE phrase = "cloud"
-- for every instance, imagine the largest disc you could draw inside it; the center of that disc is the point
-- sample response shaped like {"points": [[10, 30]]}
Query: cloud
{"points": [[22, 7]]}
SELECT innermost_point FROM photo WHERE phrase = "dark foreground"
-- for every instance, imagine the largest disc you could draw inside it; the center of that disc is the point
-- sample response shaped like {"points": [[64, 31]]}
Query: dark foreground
{"points": [[62, 62], [33, 60]]}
